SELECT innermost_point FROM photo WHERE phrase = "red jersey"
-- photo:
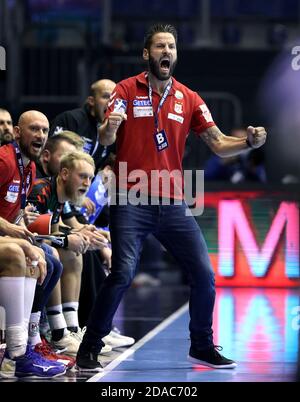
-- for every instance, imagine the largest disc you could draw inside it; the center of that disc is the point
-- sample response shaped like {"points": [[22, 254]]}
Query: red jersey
{"points": [[146, 148], [10, 182]]}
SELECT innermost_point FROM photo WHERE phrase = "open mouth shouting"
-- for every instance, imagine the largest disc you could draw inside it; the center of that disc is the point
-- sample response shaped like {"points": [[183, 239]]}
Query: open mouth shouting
{"points": [[165, 65], [82, 191], [37, 146]]}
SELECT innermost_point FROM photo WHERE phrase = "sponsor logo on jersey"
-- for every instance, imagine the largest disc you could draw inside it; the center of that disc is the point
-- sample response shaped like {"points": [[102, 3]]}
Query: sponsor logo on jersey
{"points": [[87, 146], [14, 188], [178, 95], [142, 111], [12, 192], [145, 102], [179, 119]]}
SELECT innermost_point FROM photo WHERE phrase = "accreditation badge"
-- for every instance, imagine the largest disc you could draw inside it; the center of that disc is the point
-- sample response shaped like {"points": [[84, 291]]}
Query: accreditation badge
{"points": [[161, 140]]}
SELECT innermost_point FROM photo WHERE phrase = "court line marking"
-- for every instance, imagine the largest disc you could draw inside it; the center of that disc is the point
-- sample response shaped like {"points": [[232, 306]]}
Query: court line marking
{"points": [[123, 356]]}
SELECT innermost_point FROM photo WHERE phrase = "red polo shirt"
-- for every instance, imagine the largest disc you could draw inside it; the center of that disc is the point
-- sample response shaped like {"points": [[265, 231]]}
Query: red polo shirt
{"points": [[182, 111], [10, 182]]}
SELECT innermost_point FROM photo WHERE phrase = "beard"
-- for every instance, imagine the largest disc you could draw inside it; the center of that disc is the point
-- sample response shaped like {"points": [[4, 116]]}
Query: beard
{"points": [[97, 113], [6, 137], [154, 69], [25, 150], [74, 197]]}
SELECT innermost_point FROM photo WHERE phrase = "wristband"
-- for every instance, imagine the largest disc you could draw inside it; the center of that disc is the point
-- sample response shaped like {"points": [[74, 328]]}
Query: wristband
{"points": [[66, 230], [60, 241]]}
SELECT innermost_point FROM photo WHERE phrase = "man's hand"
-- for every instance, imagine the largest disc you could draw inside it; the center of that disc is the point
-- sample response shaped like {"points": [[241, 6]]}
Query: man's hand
{"points": [[106, 256], [114, 121], [12, 230], [105, 233], [256, 136], [29, 215], [89, 205], [35, 257], [78, 242], [108, 130], [98, 238]]}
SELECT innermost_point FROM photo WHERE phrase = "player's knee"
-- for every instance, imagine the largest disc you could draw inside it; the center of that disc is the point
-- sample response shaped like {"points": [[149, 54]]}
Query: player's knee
{"points": [[12, 260]]}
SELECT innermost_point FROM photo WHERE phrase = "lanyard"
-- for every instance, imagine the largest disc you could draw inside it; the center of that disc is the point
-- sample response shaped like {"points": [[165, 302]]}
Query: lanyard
{"points": [[160, 105], [25, 183]]}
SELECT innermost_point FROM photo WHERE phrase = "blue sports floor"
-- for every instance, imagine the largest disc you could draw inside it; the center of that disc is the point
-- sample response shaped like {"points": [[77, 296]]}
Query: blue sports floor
{"points": [[259, 328], [256, 327]]}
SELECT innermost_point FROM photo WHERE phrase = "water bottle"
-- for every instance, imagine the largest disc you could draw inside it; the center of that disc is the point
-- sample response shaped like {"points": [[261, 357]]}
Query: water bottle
{"points": [[99, 195]]}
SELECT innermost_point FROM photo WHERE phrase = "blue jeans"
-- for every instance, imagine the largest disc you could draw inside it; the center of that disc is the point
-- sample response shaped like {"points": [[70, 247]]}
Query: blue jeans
{"points": [[54, 271], [182, 237]]}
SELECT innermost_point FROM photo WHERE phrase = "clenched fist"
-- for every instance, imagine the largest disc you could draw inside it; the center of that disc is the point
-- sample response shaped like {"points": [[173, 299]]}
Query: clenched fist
{"points": [[115, 119], [256, 136]]}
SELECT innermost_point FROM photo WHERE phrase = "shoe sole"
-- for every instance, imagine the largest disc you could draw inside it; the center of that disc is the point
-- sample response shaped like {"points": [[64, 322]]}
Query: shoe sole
{"points": [[123, 345], [21, 375], [118, 343], [215, 366], [87, 370]]}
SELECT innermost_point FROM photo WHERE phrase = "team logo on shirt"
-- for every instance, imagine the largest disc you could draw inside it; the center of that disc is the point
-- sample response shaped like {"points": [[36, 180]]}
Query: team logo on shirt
{"points": [[178, 107], [58, 130], [120, 105], [206, 113], [87, 146], [178, 95]]}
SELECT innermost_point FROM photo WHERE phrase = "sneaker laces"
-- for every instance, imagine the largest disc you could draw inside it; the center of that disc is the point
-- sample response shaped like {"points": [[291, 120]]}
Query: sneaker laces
{"points": [[32, 355], [217, 349], [79, 334]]}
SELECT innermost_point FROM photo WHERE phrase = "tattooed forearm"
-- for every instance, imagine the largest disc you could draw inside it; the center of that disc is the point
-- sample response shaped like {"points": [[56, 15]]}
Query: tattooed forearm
{"points": [[212, 136], [223, 145]]}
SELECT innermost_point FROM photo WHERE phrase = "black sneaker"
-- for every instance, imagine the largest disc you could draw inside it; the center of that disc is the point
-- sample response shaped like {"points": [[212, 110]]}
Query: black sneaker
{"points": [[88, 361], [211, 358]]}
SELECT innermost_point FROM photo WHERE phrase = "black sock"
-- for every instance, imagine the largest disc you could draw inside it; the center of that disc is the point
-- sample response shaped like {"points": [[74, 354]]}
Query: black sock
{"points": [[73, 329], [57, 334]]}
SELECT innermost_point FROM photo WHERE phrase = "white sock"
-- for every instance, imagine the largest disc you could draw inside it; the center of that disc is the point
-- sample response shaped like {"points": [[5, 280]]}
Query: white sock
{"points": [[71, 315], [16, 341], [12, 299], [34, 329], [56, 319], [29, 290]]}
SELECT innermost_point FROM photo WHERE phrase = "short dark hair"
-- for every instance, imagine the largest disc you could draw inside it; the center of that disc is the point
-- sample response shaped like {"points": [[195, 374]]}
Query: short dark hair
{"points": [[68, 136], [158, 28]]}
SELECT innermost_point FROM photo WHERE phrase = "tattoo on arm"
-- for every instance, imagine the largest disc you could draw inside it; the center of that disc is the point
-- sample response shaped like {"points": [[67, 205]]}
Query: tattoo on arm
{"points": [[212, 136]]}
